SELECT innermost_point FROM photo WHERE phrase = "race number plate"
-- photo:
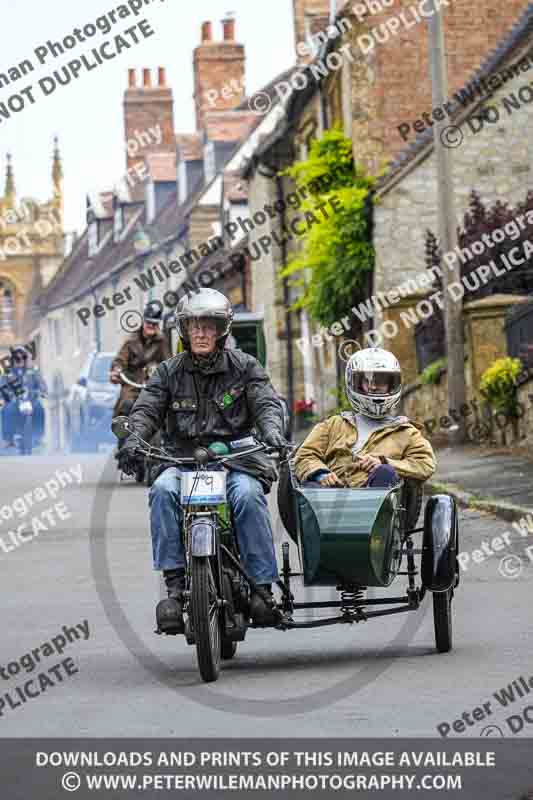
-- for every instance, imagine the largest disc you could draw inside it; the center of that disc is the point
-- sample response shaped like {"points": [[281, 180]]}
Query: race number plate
{"points": [[203, 488]]}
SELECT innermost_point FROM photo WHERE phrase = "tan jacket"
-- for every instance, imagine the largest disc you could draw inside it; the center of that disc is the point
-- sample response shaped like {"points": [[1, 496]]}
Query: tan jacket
{"points": [[329, 444], [137, 358]]}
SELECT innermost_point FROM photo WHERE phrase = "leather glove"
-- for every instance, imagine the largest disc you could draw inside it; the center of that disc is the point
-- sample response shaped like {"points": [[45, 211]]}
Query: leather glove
{"points": [[274, 438], [127, 459]]}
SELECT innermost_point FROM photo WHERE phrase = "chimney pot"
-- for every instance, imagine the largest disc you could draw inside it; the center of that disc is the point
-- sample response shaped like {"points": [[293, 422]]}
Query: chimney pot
{"points": [[132, 79], [161, 77], [207, 31], [228, 25], [147, 78]]}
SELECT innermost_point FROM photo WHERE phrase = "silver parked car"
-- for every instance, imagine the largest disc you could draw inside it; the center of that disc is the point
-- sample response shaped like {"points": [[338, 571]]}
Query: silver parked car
{"points": [[89, 405]]}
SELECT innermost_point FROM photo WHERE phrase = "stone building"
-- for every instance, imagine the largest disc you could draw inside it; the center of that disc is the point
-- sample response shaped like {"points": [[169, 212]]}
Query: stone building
{"points": [[494, 158], [31, 250], [148, 237], [368, 71]]}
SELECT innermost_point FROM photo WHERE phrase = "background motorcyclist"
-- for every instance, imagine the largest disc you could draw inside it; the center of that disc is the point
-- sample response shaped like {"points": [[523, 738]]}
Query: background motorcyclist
{"points": [[138, 357], [205, 394], [21, 376], [368, 446]]}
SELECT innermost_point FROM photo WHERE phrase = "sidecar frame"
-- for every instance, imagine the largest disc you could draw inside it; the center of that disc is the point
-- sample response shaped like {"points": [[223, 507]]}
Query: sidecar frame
{"points": [[439, 569]]}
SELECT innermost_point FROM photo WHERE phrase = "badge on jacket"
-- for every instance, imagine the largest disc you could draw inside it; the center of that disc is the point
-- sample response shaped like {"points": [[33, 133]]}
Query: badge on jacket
{"points": [[186, 403]]}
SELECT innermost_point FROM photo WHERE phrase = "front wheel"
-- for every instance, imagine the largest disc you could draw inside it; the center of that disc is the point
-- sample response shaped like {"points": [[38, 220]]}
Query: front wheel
{"points": [[205, 619], [442, 616]]}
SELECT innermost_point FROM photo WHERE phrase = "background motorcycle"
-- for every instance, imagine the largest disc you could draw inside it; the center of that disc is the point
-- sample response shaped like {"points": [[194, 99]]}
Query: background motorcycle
{"points": [[142, 473]]}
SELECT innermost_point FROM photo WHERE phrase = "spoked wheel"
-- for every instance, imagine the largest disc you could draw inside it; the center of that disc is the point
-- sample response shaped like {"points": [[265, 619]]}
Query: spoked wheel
{"points": [[206, 619], [442, 616]]}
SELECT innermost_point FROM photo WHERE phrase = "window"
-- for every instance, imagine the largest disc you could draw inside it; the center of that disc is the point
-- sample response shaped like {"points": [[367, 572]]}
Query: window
{"points": [[209, 160], [182, 182], [7, 308], [150, 201], [75, 329], [118, 223], [57, 337], [93, 238]]}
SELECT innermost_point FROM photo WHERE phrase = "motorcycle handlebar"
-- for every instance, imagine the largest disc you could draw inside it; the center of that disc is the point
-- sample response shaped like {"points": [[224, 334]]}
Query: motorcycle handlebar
{"points": [[164, 458], [129, 382]]}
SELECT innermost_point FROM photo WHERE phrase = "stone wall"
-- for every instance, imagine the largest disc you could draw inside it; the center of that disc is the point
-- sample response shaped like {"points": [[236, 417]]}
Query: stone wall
{"points": [[496, 162], [391, 81], [484, 343]]}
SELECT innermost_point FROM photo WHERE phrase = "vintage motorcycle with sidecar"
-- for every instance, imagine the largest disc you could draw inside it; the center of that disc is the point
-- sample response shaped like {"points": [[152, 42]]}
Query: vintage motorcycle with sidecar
{"points": [[352, 539]]}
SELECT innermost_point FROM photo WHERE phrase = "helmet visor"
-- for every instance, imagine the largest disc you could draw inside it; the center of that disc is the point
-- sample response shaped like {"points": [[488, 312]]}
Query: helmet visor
{"points": [[375, 383], [199, 324]]}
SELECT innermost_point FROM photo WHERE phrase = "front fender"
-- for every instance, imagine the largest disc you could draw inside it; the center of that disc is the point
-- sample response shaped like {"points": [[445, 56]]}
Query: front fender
{"points": [[440, 544], [203, 538]]}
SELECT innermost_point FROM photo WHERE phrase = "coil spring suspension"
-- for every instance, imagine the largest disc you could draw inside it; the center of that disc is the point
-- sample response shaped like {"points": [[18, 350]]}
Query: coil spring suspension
{"points": [[351, 597]]}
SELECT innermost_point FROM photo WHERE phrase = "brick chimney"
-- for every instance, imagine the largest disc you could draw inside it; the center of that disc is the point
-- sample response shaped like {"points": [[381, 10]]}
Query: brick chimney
{"points": [[147, 106], [310, 17], [219, 71]]}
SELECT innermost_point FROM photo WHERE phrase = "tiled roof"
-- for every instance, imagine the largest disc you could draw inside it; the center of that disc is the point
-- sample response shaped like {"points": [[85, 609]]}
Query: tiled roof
{"points": [[229, 126], [78, 273]]}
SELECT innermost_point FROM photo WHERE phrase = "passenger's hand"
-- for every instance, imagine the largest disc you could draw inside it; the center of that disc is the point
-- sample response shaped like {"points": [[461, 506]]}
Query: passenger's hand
{"points": [[368, 463], [114, 377], [331, 480]]}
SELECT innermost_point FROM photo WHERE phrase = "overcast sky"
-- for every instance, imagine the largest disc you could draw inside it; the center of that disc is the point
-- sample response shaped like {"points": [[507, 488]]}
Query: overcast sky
{"points": [[87, 115]]}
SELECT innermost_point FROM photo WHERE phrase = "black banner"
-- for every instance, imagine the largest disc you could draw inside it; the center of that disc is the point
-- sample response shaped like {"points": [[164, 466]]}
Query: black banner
{"points": [[152, 768]]}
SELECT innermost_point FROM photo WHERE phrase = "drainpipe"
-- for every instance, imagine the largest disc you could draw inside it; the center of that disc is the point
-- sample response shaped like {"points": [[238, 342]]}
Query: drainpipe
{"points": [[286, 302]]}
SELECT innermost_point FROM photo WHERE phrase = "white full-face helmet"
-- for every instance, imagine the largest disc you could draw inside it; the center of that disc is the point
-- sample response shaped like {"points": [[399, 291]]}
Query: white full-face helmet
{"points": [[373, 382]]}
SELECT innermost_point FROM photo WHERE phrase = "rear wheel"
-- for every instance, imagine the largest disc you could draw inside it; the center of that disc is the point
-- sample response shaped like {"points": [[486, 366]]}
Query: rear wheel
{"points": [[206, 619], [442, 616]]}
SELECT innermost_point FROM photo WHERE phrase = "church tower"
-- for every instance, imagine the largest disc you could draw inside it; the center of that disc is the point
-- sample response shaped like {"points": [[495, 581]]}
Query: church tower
{"points": [[31, 251]]}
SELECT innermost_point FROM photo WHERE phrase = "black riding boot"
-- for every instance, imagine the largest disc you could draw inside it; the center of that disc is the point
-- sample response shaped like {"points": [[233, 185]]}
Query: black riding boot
{"points": [[261, 609], [169, 613]]}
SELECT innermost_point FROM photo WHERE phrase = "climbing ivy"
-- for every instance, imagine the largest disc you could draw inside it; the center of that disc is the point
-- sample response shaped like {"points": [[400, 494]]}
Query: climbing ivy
{"points": [[337, 254]]}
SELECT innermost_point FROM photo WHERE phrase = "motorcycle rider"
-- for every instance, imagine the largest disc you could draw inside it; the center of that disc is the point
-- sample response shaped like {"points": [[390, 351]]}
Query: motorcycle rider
{"points": [[20, 375], [138, 357], [368, 446], [205, 394]]}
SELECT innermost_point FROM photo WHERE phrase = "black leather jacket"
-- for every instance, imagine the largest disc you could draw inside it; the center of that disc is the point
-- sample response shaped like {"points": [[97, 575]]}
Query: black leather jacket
{"points": [[231, 400]]}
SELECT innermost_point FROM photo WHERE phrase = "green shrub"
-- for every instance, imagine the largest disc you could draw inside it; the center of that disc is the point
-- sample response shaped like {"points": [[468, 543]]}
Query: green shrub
{"points": [[433, 373], [498, 384]]}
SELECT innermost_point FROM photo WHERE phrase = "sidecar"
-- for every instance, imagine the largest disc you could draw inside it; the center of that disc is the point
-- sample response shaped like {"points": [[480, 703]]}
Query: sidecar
{"points": [[354, 539]]}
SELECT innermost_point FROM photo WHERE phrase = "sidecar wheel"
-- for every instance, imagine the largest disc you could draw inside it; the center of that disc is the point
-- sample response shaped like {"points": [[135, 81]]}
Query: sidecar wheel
{"points": [[205, 619], [229, 649], [442, 616]]}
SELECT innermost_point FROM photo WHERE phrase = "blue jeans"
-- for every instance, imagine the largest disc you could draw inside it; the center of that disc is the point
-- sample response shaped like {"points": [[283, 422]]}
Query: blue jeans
{"points": [[383, 477], [250, 515]]}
